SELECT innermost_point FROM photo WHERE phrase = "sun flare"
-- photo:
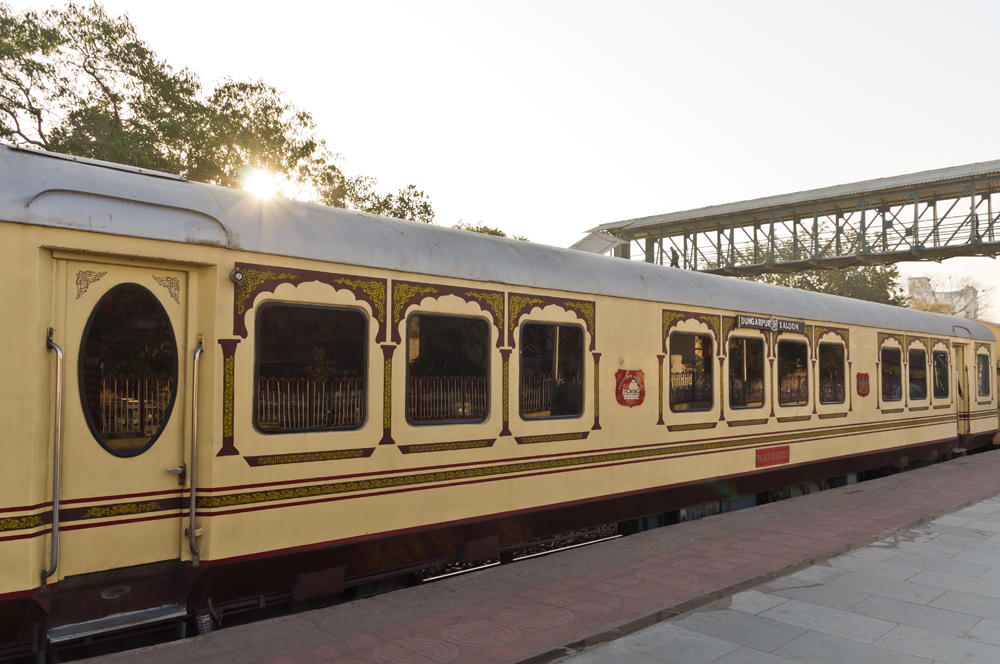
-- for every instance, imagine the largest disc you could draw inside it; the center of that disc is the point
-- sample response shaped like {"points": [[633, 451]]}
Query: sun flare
{"points": [[261, 184]]}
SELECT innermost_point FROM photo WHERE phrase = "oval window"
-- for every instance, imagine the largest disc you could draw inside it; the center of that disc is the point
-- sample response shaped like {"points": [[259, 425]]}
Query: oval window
{"points": [[128, 370]]}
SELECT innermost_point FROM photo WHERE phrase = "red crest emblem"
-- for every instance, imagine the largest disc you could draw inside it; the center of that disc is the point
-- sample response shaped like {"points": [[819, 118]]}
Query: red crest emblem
{"points": [[630, 387], [863, 387]]}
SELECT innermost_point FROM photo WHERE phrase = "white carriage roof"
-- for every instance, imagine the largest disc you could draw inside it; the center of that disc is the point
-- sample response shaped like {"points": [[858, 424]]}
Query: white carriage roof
{"points": [[57, 191]]}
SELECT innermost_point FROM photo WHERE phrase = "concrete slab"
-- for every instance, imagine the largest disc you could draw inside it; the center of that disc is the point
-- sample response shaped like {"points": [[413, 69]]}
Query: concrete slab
{"points": [[754, 602], [938, 646], [818, 648], [742, 628], [875, 585], [824, 595], [677, 645], [830, 621], [915, 615]]}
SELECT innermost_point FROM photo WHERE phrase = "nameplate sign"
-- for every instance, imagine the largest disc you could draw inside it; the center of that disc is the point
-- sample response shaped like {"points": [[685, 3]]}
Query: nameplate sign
{"points": [[773, 324], [772, 456]]}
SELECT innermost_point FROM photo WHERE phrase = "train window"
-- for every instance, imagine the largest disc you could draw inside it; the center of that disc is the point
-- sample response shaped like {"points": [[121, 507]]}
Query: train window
{"points": [[311, 366], [793, 376], [691, 385], [983, 374], [128, 370], [746, 373], [551, 370], [940, 374], [448, 366], [917, 361], [831, 373], [892, 375]]}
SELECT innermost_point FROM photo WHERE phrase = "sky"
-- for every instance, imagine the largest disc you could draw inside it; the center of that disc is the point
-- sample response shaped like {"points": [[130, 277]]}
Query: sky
{"points": [[547, 118]]}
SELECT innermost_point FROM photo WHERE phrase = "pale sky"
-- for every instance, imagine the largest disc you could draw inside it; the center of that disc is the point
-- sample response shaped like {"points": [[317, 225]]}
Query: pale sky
{"points": [[548, 118]]}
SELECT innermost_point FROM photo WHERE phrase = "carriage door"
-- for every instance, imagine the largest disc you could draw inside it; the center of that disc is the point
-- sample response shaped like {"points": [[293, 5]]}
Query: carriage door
{"points": [[964, 395], [123, 333]]}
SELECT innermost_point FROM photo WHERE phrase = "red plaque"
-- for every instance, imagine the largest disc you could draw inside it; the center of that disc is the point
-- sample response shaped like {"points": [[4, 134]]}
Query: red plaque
{"points": [[863, 387], [772, 456], [630, 387]]}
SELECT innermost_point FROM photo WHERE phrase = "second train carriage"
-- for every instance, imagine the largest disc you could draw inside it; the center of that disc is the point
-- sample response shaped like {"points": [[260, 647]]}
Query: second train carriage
{"points": [[348, 397]]}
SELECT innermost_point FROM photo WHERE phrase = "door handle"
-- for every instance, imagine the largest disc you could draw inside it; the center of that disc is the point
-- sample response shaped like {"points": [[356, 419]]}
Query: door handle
{"points": [[181, 472]]}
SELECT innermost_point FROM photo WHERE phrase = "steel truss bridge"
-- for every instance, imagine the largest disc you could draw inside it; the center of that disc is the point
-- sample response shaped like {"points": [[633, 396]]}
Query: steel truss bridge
{"points": [[926, 216]]}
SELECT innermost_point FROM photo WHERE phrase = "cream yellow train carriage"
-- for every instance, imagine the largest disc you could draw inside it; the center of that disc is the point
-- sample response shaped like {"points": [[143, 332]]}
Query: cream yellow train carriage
{"points": [[349, 397]]}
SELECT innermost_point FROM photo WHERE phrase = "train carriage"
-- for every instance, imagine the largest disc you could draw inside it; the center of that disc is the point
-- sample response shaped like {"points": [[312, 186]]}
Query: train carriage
{"points": [[211, 399]]}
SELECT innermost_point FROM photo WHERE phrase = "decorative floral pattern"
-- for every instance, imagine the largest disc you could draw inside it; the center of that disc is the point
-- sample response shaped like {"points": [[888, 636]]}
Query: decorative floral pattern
{"points": [[493, 300], [518, 302], [253, 278], [552, 438], [173, 286], [122, 509], [209, 502], [228, 387], [374, 289], [585, 310], [387, 395], [21, 523], [445, 447], [305, 457], [83, 280], [402, 294]]}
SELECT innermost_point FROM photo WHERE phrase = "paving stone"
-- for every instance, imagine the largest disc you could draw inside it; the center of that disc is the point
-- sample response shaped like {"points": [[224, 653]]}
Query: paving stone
{"points": [[874, 554], [754, 602], [830, 621], [940, 647], [965, 584], [899, 572], [874, 585], [742, 628], [953, 520], [973, 605], [612, 653], [987, 631], [916, 615], [917, 562], [825, 595], [935, 549], [978, 557], [817, 648], [751, 656], [810, 576], [676, 644], [962, 532]]}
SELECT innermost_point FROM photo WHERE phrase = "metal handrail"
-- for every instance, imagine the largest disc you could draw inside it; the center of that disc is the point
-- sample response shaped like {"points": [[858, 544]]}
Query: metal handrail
{"points": [[195, 551], [57, 459]]}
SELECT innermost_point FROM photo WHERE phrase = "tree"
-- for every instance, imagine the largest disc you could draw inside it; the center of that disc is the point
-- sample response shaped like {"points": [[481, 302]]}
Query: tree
{"points": [[949, 294], [862, 282], [81, 82], [486, 230]]}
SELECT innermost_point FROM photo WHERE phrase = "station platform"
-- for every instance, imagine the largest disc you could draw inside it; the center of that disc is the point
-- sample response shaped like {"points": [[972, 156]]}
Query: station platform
{"points": [[590, 604]]}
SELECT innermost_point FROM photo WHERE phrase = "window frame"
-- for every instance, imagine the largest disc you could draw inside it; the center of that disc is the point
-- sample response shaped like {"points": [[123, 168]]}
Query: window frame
{"points": [[763, 372], [81, 378], [947, 373], [909, 374], [670, 391], [881, 373], [777, 373], [489, 370], [520, 371], [366, 367], [988, 373], [819, 376]]}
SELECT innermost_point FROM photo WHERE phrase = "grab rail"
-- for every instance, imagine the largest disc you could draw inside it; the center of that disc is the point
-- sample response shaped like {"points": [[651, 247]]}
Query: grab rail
{"points": [[195, 551], [57, 459]]}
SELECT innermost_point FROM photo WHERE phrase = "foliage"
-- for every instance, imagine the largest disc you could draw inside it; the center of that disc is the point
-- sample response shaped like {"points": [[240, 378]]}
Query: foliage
{"points": [[949, 294], [486, 230], [863, 282], [83, 83]]}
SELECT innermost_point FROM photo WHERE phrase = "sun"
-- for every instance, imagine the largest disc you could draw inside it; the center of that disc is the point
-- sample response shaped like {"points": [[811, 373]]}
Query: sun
{"points": [[260, 183]]}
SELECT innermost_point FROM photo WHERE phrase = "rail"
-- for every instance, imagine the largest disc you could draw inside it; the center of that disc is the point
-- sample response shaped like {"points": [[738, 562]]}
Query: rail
{"points": [[56, 459], [304, 403], [192, 531], [447, 398], [536, 392], [134, 404]]}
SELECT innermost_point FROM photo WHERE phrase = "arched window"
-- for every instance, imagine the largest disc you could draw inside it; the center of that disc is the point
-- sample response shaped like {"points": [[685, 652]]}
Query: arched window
{"points": [[128, 370]]}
